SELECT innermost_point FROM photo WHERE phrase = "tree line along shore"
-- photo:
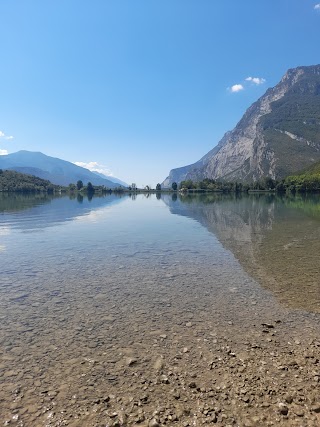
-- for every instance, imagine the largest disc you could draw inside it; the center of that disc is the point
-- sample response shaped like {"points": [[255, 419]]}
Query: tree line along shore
{"points": [[11, 181]]}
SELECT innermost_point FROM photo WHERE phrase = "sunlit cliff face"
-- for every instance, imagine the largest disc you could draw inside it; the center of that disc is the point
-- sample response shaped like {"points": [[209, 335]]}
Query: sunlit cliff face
{"points": [[278, 135]]}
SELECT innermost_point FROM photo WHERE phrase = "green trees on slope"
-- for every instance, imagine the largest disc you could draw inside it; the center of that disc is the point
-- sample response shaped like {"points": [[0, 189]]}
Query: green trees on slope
{"points": [[19, 182], [296, 183]]}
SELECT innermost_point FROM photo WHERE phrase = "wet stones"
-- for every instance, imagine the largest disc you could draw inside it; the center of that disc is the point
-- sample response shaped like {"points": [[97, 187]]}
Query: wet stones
{"points": [[283, 408], [130, 361], [176, 394], [298, 411], [206, 373], [159, 364], [192, 384], [267, 325], [164, 379], [315, 408]]}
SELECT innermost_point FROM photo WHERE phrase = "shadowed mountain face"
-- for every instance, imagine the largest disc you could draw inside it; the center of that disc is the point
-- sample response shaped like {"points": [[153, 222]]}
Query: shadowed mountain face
{"points": [[55, 170], [276, 240], [277, 136]]}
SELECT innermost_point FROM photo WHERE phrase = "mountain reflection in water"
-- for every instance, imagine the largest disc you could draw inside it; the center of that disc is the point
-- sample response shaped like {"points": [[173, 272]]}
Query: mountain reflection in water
{"points": [[46, 210], [276, 239]]}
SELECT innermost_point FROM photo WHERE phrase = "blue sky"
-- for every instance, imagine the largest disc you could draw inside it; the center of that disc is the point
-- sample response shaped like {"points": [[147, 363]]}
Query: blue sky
{"points": [[137, 87]]}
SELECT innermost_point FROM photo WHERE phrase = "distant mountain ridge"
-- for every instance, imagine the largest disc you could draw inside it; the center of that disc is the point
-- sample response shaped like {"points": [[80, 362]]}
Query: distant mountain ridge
{"points": [[277, 136], [58, 171], [111, 178]]}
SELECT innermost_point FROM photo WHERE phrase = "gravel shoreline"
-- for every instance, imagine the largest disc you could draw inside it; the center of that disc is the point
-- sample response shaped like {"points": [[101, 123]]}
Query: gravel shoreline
{"points": [[189, 376]]}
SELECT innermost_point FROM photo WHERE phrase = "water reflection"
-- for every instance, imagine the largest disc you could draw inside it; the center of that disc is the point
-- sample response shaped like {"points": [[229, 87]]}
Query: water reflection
{"points": [[13, 202], [89, 309], [47, 210], [276, 239]]}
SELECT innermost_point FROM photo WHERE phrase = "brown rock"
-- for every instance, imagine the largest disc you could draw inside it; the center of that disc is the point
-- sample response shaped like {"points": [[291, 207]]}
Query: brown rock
{"points": [[283, 409]]}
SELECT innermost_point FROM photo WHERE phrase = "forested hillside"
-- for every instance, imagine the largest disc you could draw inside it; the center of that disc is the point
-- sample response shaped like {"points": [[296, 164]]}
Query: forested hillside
{"points": [[15, 181], [307, 180]]}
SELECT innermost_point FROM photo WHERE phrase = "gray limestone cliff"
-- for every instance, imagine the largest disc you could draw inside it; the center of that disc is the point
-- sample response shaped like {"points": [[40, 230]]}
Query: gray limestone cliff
{"points": [[278, 135]]}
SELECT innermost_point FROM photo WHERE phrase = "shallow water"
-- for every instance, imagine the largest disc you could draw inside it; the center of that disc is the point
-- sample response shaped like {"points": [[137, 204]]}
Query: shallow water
{"points": [[94, 292]]}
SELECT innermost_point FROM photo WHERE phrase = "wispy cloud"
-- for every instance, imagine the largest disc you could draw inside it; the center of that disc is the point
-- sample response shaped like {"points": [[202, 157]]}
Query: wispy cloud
{"points": [[4, 136], [242, 86], [95, 167], [236, 88], [256, 80], [317, 7], [3, 152]]}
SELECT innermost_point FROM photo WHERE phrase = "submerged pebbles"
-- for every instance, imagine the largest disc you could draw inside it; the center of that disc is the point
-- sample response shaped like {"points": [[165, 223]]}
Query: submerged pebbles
{"points": [[114, 347], [141, 379]]}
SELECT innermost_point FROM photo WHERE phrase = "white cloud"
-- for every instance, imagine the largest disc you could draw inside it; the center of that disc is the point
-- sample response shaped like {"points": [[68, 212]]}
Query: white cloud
{"points": [[317, 7], [239, 87], [4, 152], [256, 80], [4, 136], [236, 88], [95, 167]]}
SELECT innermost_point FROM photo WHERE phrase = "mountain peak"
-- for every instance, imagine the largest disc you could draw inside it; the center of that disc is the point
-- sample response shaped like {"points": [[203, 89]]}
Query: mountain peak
{"points": [[279, 134], [58, 171]]}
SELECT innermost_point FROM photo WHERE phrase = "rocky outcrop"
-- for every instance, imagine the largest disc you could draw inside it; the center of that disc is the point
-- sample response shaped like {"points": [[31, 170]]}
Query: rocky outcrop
{"points": [[180, 174], [278, 134]]}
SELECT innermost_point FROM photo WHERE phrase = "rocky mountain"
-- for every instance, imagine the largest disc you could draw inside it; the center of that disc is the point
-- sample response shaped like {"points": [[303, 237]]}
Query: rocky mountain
{"points": [[278, 135], [57, 171]]}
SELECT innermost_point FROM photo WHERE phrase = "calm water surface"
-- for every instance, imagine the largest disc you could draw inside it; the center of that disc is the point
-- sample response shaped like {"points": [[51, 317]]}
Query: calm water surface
{"points": [[87, 283]]}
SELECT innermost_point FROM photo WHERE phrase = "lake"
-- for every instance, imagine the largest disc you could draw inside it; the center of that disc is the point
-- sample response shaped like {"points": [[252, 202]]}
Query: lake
{"points": [[159, 310]]}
